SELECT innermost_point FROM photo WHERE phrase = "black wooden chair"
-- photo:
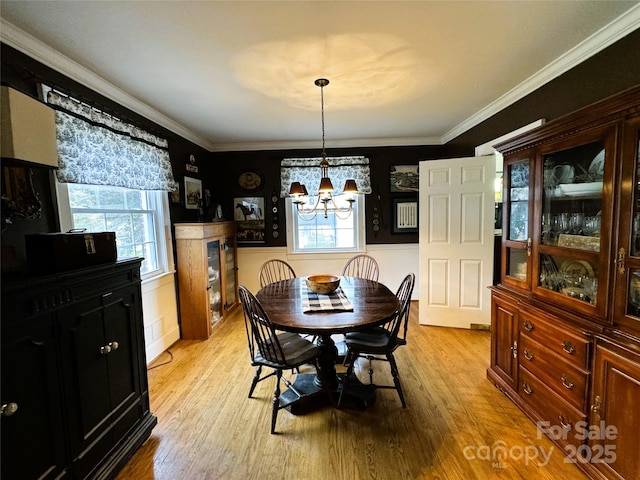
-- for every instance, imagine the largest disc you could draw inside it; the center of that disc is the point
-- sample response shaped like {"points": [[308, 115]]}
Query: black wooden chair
{"points": [[361, 266], [275, 270], [272, 349], [379, 343]]}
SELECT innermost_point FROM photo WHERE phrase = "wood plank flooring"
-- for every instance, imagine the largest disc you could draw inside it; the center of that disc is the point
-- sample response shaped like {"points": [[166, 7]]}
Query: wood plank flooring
{"points": [[454, 424]]}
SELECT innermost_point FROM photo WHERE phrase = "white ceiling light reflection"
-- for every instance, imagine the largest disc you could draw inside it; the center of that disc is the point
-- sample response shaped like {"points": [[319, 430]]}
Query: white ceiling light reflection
{"points": [[365, 70]]}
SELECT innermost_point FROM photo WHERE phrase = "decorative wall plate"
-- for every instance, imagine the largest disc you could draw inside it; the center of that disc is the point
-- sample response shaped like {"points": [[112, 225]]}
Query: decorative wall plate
{"points": [[250, 181]]}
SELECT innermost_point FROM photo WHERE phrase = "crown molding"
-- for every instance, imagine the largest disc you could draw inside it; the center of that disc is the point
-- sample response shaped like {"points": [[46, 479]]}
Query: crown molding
{"points": [[31, 46], [606, 36], [315, 144]]}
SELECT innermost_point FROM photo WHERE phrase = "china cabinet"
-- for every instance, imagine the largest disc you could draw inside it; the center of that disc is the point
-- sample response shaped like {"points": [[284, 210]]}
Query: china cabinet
{"points": [[207, 275], [75, 400], [566, 313]]}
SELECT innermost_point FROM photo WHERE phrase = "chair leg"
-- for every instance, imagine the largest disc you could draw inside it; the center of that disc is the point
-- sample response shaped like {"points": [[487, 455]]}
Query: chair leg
{"points": [[256, 379], [396, 378], [276, 401], [347, 375]]}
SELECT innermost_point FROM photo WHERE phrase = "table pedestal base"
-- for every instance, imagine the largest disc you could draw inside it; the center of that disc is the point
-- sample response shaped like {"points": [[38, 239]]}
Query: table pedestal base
{"points": [[313, 396]]}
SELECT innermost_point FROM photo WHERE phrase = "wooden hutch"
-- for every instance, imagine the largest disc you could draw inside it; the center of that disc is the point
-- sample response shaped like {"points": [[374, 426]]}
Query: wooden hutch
{"points": [[566, 314]]}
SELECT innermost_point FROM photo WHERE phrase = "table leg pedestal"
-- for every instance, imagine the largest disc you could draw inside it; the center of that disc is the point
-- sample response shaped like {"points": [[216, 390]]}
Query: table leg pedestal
{"points": [[324, 389]]}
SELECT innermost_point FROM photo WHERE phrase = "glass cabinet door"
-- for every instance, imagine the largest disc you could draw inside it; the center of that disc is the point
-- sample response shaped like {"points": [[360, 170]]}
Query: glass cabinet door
{"points": [[516, 224], [230, 269], [214, 284], [627, 274], [570, 223]]}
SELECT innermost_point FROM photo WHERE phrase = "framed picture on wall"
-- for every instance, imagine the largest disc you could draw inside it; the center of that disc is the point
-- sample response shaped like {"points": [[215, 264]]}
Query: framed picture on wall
{"points": [[405, 215], [404, 178], [175, 195], [192, 193], [248, 212]]}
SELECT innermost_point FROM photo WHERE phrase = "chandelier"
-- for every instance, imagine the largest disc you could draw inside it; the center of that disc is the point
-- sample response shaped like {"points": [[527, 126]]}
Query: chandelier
{"points": [[325, 199]]}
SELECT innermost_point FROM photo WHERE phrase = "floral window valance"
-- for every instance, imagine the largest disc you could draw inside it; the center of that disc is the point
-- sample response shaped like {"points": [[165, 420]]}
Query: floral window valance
{"points": [[307, 171], [95, 148]]}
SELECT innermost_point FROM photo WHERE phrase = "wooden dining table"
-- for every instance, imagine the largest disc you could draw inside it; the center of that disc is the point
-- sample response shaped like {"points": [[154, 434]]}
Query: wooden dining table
{"points": [[373, 304]]}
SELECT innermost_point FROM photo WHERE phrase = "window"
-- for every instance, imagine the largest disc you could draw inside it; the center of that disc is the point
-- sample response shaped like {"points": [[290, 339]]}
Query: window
{"points": [[336, 233], [136, 216]]}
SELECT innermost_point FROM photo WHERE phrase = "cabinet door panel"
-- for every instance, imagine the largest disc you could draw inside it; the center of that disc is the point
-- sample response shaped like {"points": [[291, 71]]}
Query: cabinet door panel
{"points": [[32, 436], [101, 335], [504, 346], [614, 406], [86, 382], [121, 336]]}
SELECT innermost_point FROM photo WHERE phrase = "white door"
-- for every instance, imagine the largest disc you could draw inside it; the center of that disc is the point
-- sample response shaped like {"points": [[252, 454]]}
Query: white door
{"points": [[457, 204]]}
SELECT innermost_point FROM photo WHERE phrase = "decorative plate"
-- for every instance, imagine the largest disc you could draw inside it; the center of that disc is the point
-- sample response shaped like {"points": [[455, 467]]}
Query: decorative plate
{"points": [[250, 181], [577, 268], [597, 166]]}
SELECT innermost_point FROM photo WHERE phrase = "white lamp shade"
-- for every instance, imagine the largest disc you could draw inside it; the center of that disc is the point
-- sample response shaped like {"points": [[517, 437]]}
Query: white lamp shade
{"points": [[28, 129]]}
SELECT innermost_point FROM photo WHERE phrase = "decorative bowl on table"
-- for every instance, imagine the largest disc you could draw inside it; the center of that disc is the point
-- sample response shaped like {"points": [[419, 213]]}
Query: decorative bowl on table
{"points": [[323, 284]]}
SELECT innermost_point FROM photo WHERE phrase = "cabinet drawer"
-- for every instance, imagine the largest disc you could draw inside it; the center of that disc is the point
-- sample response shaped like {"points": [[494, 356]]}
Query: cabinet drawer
{"points": [[562, 418], [571, 345], [565, 378]]}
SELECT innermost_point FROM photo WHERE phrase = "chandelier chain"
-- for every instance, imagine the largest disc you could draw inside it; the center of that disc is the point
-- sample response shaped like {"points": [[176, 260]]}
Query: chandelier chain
{"points": [[324, 154]]}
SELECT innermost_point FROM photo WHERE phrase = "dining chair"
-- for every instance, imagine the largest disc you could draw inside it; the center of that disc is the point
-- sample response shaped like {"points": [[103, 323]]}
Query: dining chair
{"points": [[379, 343], [362, 266], [272, 349], [275, 270]]}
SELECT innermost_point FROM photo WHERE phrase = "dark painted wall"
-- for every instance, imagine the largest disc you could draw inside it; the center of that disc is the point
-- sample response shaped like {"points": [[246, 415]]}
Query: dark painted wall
{"points": [[612, 70]]}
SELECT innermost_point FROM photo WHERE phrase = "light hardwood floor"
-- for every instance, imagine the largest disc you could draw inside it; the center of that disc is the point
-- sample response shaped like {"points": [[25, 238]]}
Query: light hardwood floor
{"points": [[454, 422]]}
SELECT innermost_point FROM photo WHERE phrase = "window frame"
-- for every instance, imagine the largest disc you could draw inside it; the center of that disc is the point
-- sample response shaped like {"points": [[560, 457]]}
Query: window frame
{"points": [[358, 216], [160, 211]]}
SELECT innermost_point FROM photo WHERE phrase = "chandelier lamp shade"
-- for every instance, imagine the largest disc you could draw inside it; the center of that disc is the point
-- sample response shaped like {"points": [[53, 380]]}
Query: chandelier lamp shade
{"points": [[325, 199]]}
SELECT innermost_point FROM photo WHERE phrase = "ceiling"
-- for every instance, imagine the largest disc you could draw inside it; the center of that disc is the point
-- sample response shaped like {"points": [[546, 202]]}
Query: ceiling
{"points": [[239, 75]]}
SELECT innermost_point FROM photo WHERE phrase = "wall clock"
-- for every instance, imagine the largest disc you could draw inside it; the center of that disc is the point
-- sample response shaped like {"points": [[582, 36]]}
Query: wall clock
{"points": [[250, 181]]}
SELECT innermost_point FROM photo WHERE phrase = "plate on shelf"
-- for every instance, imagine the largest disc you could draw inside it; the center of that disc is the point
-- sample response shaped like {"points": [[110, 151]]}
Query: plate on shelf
{"points": [[596, 169], [580, 189], [577, 268]]}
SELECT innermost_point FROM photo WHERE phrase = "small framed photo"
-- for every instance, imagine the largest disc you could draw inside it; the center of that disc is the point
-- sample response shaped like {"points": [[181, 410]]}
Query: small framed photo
{"points": [[404, 179], [405, 215], [175, 195], [192, 193]]}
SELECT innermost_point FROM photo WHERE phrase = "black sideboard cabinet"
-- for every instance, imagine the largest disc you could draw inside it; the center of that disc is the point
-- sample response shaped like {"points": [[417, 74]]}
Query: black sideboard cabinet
{"points": [[75, 399]]}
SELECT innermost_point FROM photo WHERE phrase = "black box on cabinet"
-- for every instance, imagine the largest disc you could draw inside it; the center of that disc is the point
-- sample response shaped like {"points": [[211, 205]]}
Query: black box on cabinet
{"points": [[57, 252]]}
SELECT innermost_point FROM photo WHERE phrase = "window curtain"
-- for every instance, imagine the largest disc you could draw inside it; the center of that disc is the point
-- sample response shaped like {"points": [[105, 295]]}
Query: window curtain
{"points": [[307, 171], [95, 148]]}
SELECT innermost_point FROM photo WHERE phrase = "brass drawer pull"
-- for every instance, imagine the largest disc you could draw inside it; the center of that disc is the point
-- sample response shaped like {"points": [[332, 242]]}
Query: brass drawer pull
{"points": [[568, 347], [566, 425], [526, 388], [595, 408], [566, 382], [528, 355], [620, 261], [528, 326]]}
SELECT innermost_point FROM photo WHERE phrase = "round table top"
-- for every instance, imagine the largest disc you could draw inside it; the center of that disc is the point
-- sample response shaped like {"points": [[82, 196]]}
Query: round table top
{"points": [[373, 304]]}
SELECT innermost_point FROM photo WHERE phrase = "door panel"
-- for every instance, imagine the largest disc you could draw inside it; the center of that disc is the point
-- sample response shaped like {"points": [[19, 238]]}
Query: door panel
{"points": [[456, 241]]}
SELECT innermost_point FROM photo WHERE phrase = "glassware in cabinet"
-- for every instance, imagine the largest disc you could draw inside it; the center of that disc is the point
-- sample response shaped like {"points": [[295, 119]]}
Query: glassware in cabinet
{"points": [[516, 252], [214, 283], [231, 286], [572, 185]]}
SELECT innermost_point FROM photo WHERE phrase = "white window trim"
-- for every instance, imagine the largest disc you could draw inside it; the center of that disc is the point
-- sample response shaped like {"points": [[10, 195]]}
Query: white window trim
{"points": [[161, 223], [358, 210]]}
